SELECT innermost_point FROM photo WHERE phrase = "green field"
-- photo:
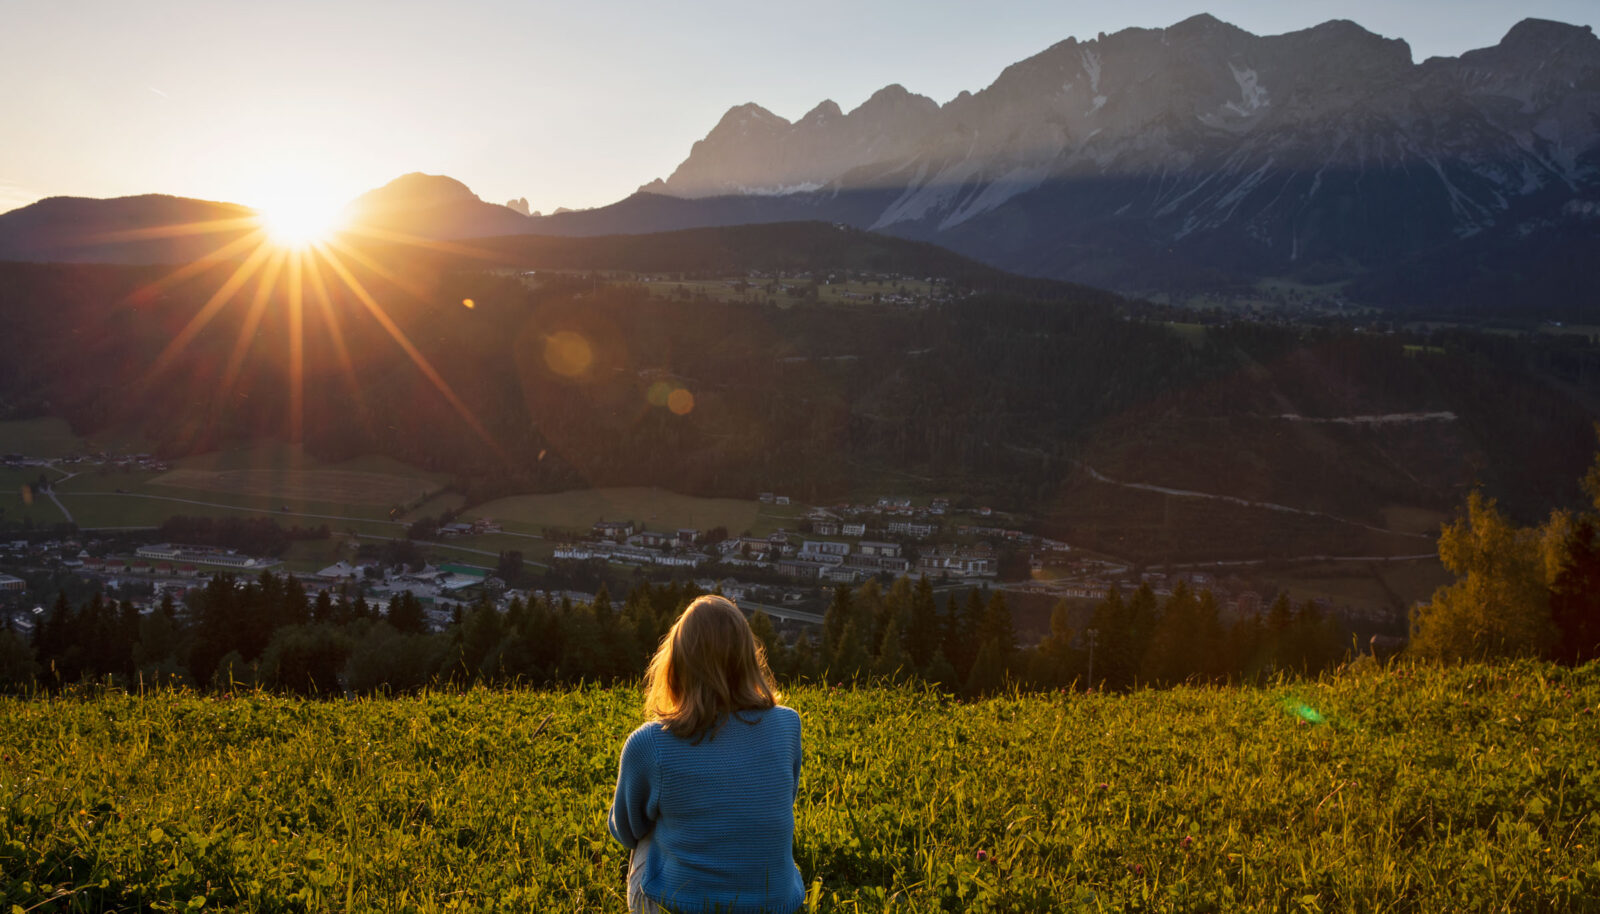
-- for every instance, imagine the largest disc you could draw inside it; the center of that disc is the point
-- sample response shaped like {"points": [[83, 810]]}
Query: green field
{"points": [[1407, 789], [18, 500], [654, 509], [39, 438], [253, 482]]}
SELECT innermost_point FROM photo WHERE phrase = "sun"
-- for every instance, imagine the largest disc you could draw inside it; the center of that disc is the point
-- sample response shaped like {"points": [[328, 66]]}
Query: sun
{"points": [[299, 222]]}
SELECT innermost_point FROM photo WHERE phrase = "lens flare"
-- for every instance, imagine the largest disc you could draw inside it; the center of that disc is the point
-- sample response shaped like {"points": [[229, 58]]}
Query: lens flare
{"points": [[1303, 711], [568, 354], [681, 402]]}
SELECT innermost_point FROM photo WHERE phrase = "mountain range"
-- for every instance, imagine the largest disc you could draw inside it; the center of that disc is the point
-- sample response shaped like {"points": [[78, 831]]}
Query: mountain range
{"points": [[1195, 160], [1198, 156]]}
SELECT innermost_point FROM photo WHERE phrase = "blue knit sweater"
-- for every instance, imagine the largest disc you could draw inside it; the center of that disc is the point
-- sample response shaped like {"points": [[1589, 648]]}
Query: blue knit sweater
{"points": [[719, 813]]}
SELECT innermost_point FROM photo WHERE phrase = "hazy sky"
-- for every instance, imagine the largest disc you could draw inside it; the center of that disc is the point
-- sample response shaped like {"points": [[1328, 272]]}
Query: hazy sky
{"points": [[567, 103]]}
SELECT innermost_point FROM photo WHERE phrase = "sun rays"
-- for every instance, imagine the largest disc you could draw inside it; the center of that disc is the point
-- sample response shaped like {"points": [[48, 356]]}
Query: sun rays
{"points": [[299, 257]]}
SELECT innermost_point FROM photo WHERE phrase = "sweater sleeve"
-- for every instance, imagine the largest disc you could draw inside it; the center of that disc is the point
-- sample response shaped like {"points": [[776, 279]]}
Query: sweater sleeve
{"points": [[636, 803]]}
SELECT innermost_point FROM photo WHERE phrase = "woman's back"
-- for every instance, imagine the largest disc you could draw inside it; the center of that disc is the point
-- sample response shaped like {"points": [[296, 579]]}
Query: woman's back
{"points": [[705, 798]]}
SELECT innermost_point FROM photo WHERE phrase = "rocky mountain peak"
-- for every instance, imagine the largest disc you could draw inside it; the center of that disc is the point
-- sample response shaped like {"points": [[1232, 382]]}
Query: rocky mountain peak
{"points": [[742, 117], [1542, 36], [823, 113]]}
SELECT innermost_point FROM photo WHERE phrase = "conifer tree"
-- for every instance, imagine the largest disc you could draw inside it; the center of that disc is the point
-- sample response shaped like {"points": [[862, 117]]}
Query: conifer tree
{"points": [[988, 671], [1055, 664], [893, 662], [997, 626], [941, 672], [840, 613], [923, 637], [850, 658], [767, 636]]}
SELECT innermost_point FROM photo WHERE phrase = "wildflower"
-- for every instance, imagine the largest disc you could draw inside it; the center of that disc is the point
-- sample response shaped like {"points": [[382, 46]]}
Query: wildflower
{"points": [[982, 855], [1138, 869], [1187, 840], [1104, 786]]}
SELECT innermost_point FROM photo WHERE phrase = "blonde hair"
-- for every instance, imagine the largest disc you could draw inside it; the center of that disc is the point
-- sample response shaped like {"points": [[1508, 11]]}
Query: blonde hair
{"points": [[709, 665]]}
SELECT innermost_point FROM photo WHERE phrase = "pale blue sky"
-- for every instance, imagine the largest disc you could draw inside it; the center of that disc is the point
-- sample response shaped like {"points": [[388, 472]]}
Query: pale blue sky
{"points": [[568, 104]]}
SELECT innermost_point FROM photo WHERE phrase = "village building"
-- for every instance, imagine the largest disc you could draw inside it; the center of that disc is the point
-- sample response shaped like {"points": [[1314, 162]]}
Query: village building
{"points": [[912, 528], [958, 562], [801, 569], [614, 530], [824, 551]]}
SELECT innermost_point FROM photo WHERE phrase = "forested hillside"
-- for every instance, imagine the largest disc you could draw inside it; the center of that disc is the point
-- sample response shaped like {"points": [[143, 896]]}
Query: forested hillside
{"points": [[1062, 403]]}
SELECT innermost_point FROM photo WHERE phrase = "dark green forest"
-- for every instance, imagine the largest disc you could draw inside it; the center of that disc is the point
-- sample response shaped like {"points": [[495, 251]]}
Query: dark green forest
{"points": [[268, 631]]}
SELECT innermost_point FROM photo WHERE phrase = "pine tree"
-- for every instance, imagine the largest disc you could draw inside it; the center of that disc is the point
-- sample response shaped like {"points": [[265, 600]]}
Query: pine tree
{"points": [[767, 636], [1575, 594], [988, 673], [893, 662], [869, 607], [997, 626], [922, 634], [941, 672], [406, 615], [851, 658], [839, 615], [1056, 659]]}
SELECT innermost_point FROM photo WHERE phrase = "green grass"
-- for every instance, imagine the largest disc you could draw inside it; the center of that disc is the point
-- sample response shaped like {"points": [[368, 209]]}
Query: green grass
{"points": [[655, 509], [39, 438], [1476, 788], [15, 504]]}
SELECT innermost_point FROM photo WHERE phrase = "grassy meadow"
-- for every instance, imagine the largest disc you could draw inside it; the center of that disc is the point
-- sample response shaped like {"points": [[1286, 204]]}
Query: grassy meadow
{"points": [[655, 509], [1400, 789]]}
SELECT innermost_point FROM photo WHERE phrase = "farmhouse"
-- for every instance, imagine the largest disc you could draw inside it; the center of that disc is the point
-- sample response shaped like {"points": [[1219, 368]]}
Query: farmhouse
{"points": [[614, 530]]}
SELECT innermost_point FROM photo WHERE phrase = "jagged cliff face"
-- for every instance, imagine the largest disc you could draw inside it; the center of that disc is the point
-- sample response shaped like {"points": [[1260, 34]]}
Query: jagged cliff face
{"points": [[1198, 144]]}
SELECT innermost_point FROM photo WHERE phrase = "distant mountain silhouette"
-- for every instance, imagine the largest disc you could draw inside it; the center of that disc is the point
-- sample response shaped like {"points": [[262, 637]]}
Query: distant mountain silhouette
{"points": [[152, 228], [436, 207], [161, 229]]}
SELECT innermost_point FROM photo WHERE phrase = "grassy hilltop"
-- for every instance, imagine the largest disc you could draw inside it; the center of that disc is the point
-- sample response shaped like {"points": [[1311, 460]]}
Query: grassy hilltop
{"points": [[1409, 789]]}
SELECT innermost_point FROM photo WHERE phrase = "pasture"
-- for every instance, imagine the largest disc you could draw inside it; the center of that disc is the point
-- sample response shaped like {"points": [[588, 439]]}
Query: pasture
{"points": [[655, 509], [1377, 789], [39, 438]]}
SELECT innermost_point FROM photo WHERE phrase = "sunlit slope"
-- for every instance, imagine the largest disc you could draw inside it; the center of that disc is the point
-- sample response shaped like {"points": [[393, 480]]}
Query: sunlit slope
{"points": [[1407, 789]]}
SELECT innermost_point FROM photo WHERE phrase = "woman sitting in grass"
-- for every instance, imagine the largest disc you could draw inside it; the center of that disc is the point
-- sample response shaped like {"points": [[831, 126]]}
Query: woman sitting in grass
{"points": [[706, 788]]}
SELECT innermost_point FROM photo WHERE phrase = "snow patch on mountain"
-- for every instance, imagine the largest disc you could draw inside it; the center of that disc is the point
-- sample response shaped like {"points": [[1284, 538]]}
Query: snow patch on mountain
{"points": [[1252, 95], [1091, 66]]}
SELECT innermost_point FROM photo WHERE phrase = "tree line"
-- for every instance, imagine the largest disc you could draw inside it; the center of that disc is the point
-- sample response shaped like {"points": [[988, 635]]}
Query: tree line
{"points": [[269, 632]]}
